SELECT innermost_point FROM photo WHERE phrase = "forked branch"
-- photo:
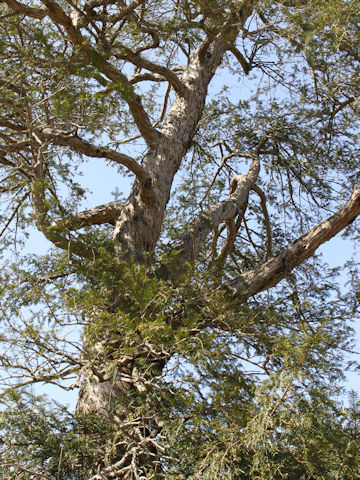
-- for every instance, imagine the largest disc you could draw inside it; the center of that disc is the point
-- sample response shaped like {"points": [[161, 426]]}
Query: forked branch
{"points": [[209, 219]]}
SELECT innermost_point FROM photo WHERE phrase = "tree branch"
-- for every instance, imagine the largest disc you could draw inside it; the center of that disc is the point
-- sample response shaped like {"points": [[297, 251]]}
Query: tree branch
{"points": [[58, 16], [26, 10], [126, 53], [15, 147], [274, 270], [241, 59], [98, 215], [11, 86], [266, 220], [54, 233], [147, 76], [14, 213], [207, 220], [232, 229], [8, 163], [4, 122], [62, 138]]}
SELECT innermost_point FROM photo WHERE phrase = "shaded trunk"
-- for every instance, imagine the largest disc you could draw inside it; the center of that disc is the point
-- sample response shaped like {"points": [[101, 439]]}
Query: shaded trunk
{"points": [[121, 391]]}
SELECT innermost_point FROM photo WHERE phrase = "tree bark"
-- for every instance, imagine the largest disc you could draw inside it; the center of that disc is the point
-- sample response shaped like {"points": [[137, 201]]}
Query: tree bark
{"points": [[139, 225], [136, 233], [277, 268]]}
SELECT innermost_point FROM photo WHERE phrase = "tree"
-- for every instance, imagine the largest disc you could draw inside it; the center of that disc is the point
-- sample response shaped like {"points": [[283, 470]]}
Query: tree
{"points": [[212, 334]]}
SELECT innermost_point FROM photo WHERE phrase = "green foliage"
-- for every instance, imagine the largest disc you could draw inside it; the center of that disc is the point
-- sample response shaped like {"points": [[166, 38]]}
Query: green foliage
{"points": [[212, 386], [37, 436], [248, 385]]}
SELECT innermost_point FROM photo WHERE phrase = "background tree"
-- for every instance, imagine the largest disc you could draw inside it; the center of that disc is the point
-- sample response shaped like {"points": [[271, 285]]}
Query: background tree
{"points": [[212, 336]]}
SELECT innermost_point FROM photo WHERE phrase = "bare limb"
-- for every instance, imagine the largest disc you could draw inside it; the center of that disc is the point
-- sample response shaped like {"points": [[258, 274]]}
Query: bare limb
{"points": [[98, 215], [207, 220], [147, 76], [126, 53], [241, 59], [62, 138], [232, 229], [266, 219], [26, 10], [165, 103], [274, 270], [224, 164]]}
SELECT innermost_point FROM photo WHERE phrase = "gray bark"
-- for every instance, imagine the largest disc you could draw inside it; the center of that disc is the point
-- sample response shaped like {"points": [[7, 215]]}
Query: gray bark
{"points": [[139, 225], [277, 268]]}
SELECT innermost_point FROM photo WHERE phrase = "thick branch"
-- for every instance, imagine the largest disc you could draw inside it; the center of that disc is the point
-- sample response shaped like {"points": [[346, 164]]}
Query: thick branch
{"points": [[206, 221], [146, 77], [274, 270], [15, 147], [99, 215], [26, 10], [138, 228], [241, 59], [97, 151], [60, 239], [232, 229], [140, 117]]}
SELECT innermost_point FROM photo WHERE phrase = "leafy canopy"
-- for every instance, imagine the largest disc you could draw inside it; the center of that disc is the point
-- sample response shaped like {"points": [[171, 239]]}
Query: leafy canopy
{"points": [[201, 291]]}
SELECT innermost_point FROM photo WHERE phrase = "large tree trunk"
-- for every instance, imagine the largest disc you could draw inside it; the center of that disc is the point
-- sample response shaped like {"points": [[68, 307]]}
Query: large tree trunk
{"points": [[139, 225], [120, 391]]}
